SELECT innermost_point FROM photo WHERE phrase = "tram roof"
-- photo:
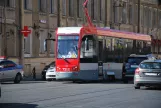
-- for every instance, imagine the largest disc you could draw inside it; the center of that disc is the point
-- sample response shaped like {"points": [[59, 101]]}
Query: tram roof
{"points": [[123, 34], [69, 30], [107, 32]]}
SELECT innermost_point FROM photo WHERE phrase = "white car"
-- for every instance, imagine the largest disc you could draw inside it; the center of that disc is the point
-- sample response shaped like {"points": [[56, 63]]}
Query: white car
{"points": [[10, 71], [51, 74]]}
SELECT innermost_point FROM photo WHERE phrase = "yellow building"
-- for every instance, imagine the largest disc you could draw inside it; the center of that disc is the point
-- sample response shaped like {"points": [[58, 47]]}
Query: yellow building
{"points": [[41, 16]]}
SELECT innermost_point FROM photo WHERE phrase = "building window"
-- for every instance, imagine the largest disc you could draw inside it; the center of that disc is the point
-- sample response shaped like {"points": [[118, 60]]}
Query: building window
{"points": [[80, 9], [149, 18], [45, 45], [145, 16], [42, 5], [115, 13], [53, 6], [27, 44], [10, 3], [28, 4], [142, 16], [154, 18], [102, 10], [92, 9], [130, 14], [96, 9], [159, 15], [64, 7], [124, 13], [71, 8], [136, 14]]}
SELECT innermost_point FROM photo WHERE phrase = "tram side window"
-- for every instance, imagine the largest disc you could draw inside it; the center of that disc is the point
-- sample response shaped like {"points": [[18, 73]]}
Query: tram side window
{"points": [[88, 54]]}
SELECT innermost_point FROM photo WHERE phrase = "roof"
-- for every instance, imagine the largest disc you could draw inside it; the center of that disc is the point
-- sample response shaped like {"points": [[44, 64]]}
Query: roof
{"points": [[69, 30], [100, 31], [151, 60], [134, 55], [123, 34], [3, 60]]}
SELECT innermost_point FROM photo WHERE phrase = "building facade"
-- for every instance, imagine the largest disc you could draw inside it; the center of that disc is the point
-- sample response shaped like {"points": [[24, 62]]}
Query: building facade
{"points": [[44, 16]]}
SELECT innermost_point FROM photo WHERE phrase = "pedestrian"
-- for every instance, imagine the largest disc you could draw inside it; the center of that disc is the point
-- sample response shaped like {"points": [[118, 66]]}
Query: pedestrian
{"points": [[34, 73]]}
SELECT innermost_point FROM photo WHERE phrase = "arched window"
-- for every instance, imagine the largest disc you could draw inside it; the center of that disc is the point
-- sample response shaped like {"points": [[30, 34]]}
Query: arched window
{"points": [[45, 45]]}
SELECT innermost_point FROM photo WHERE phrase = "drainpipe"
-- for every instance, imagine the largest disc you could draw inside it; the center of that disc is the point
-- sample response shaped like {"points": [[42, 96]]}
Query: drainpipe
{"points": [[21, 37]]}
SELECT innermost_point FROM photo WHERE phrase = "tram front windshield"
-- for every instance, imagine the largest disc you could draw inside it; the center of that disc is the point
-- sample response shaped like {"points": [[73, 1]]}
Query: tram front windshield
{"points": [[67, 47]]}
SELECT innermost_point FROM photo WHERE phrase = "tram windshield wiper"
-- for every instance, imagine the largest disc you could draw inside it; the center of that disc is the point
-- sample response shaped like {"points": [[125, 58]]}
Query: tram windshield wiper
{"points": [[63, 57]]}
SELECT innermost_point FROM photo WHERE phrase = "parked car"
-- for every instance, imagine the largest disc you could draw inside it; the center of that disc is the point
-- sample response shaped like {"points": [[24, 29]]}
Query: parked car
{"points": [[51, 74], [0, 83], [0, 89], [130, 65], [148, 74], [43, 73], [10, 71]]}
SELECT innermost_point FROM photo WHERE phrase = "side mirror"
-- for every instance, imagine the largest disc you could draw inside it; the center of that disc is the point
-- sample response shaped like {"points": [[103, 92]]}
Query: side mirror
{"points": [[86, 44]]}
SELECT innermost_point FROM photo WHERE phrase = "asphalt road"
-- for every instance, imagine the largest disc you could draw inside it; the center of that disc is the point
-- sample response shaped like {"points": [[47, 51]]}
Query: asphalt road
{"points": [[38, 94]]}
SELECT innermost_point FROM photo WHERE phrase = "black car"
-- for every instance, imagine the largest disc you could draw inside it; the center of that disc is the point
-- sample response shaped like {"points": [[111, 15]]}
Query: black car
{"points": [[130, 65], [43, 73]]}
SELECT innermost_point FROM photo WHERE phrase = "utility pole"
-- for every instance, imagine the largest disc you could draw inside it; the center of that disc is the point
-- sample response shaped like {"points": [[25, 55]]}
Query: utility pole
{"points": [[5, 36], [21, 37], [59, 17], [138, 28], [1, 23]]}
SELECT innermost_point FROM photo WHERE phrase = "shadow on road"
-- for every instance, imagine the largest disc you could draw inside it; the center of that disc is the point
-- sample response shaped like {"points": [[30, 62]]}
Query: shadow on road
{"points": [[152, 88], [95, 82], [24, 82], [17, 105]]}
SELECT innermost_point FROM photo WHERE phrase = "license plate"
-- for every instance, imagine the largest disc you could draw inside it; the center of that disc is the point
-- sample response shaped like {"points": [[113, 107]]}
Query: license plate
{"points": [[110, 73], [134, 66], [151, 74]]}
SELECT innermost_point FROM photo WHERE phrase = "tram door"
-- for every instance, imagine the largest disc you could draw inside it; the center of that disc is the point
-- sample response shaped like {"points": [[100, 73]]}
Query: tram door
{"points": [[100, 58]]}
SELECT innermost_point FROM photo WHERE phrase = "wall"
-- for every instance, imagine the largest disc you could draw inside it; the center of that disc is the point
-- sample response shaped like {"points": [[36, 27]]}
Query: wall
{"points": [[30, 63]]}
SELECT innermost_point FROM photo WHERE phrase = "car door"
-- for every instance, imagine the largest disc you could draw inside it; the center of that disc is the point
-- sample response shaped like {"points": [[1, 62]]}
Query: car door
{"points": [[12, 69], [4, 71], [7, 71], [1, 72]]}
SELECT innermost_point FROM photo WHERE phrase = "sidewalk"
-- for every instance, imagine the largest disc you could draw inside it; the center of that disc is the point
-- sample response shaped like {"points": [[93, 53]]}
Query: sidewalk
{"points": [[30, 78]]}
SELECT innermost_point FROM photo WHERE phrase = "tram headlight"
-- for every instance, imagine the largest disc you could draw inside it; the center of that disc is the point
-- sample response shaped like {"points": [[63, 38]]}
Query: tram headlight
{"points": [[58, 69], [75, 68]]}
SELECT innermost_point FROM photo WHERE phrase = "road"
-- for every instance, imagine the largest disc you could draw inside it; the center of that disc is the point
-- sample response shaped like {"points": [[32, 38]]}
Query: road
{"points": [[41, 94]]}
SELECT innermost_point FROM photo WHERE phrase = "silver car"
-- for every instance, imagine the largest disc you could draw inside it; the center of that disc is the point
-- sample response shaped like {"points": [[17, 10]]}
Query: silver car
{"points": [[51, 74], [148, 74]]}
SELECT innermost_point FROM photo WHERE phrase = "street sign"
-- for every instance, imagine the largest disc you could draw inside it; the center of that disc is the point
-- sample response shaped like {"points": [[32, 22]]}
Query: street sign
{"points": [[25, 31]]}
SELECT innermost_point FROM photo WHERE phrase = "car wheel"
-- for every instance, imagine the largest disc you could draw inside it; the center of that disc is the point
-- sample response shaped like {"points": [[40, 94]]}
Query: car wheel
{"points": [[137, 87], [44, 76], [49, 80], [18, 78], [125, 80]]}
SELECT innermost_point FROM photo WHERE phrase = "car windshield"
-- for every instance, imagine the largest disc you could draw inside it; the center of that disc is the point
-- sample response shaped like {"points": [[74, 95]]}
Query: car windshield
{"points": [[136, 60], [67, 46], [150, 65]]}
